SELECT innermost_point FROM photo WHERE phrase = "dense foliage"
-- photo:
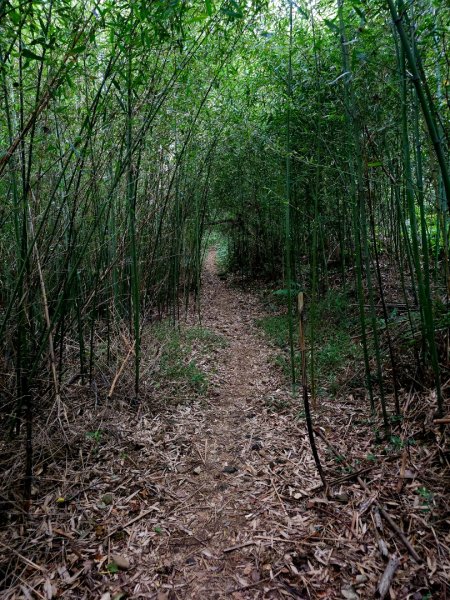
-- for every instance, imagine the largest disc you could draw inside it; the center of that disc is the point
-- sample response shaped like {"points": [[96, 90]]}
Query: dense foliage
{"points": [[312, 135]]}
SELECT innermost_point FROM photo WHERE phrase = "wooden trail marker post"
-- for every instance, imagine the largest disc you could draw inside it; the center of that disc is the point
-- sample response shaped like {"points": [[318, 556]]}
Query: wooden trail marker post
{"points": [[300, 303]]}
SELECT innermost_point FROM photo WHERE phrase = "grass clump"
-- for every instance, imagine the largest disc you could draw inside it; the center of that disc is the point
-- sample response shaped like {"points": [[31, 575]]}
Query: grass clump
{"points": [[334, 347], [332, 355], [220, 242], [178, 367], [205, 337], [276, 328]]}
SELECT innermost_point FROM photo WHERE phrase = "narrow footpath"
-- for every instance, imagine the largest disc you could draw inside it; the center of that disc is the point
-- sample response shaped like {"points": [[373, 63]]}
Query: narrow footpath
{"points": [[236, 468]]}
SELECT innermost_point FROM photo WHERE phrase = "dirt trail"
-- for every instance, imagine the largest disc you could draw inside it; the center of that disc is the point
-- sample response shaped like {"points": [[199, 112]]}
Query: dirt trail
{"points": [[233, 462]]}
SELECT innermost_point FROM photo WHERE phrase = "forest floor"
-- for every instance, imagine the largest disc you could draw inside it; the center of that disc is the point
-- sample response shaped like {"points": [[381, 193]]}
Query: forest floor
{"points": [[219, 497]]}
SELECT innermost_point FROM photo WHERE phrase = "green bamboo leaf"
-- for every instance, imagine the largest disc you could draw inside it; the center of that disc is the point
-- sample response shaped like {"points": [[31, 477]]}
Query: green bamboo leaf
{"points": [[38, 40], [78, 49], [331, 25], [209, 7], [15, 17], [302, 12], [31, 55]]}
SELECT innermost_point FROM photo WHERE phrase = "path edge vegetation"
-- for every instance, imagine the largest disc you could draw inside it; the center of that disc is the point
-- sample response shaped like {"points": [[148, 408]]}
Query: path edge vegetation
{"points": [[130, 131]]}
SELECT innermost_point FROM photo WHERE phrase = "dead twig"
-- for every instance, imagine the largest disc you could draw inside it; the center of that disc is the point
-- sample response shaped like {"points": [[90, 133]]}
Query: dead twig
{"points": [[396, 529], [138, 518], [387, 577], [239, 546], [120, 371], [343, 478], [252, 585], [24, 558], [279, 499], [443, 421], [383, 512]]}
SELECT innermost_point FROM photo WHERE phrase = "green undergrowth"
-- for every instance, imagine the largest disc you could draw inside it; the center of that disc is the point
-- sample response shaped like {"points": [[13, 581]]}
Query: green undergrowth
{"points": [[218, 241], [408, 327], [179, 371], [334, 347], [222, 257]]}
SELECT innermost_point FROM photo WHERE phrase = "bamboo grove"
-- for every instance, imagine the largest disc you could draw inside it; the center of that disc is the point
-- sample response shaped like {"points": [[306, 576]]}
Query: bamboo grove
{"points": [[314, 135]]}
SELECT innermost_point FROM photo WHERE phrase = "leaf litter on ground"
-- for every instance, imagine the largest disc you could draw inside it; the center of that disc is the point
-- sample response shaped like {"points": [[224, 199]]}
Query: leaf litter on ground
{"points": [[216, 495]]}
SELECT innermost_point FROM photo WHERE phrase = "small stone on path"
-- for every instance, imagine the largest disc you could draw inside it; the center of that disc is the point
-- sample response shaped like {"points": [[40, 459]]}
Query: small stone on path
{"points": [[230, 469]]}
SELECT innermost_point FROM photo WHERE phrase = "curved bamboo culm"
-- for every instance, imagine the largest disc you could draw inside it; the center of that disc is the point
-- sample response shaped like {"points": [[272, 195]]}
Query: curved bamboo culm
{"points": [[419, 84]]}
